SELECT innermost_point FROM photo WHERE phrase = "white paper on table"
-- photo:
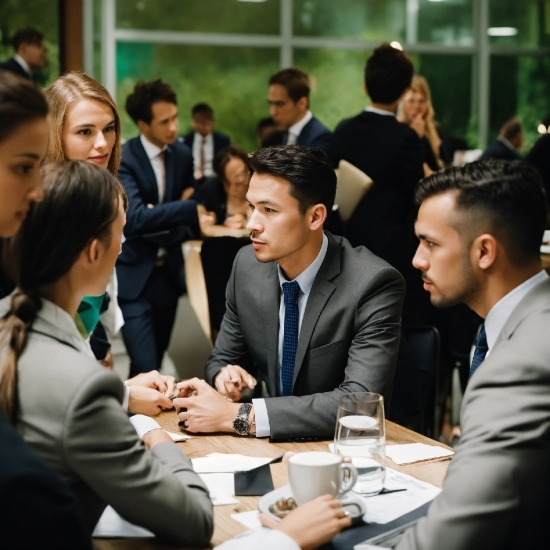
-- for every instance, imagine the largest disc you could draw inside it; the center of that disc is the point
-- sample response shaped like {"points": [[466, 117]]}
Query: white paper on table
{"points": [[221, 488], [415, 452], [178, 437], [222, 462], [111, 525], [248, 519]]}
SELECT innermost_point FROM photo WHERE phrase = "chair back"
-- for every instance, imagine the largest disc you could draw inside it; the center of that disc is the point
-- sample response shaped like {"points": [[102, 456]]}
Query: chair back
{"points": [[196, 290], [353, 185]]}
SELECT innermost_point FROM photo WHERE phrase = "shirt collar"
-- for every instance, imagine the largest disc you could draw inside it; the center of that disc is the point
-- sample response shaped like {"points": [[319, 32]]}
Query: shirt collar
{"points": [[23, 64], [207, 138], [296, 129], [503, 309], [151, 150], [371, 109], [306, 278]]}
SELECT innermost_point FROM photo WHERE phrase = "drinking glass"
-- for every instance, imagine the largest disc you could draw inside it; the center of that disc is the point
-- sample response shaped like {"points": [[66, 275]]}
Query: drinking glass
{"points": [[360, 435]]}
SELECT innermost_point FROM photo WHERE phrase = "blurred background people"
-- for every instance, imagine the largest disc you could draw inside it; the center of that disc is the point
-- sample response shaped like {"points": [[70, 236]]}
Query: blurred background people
{"points": [[30, 53], [204, 142], [508, 143], [539, 158], [416, 110], [225, 193]]}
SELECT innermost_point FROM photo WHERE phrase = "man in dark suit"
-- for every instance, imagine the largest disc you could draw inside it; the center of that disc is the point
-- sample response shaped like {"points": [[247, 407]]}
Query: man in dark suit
{"points": [[480, 227], [288, 99], [157, 173], [314, 317], [30, 53], [204, 142], [391, 154], [538, 158], [508, 143]]}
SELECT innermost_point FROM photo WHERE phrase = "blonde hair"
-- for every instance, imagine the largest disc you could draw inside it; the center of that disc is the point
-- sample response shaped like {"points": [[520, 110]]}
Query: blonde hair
{"points": [[420, 85], [62, 94]]}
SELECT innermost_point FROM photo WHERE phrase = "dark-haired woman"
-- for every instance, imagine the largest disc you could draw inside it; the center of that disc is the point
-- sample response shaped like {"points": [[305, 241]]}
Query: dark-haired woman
{"points": [[225, 193], [66, 406], [30, 487]]}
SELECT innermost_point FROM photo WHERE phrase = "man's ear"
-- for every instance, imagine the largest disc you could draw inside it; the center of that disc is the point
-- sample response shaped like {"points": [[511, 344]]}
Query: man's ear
{"points": [[365, 88], [143, 126], [485, 251], [317, 216], [303, 103]]}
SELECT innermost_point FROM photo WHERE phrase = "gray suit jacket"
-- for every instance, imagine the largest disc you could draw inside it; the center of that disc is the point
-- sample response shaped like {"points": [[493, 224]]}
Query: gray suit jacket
{"points": [[70, 413], [348, 342], [497, 490]]}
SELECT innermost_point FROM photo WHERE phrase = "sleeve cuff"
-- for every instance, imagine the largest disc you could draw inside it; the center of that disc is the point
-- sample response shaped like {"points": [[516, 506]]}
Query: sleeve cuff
{"points": [[126, 400], [263, 428]]}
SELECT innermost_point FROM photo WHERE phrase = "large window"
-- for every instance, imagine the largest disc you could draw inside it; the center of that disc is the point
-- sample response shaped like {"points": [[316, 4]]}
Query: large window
{"points": [[486, 60]]}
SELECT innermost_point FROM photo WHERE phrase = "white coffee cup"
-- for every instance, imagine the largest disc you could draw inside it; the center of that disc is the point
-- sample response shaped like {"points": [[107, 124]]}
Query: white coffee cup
{"points": [[315, 473]]}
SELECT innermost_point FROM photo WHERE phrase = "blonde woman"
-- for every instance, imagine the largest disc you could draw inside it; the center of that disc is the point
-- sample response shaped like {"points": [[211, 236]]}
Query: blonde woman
{"points": [[416, 111]]}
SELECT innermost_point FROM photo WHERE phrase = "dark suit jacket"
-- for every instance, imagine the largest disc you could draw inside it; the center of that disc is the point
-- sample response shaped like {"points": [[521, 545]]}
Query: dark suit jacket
{"points": [[221, 141], [313, 134], [214, 198], [348, 342], [496, 494], [538, 158], [14, 67], [498, 150], [150, 224], [40, 511]]}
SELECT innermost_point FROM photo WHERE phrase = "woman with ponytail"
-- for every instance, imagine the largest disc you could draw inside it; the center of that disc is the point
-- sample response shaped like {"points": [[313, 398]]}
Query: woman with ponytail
{"points": [[66, 406]]}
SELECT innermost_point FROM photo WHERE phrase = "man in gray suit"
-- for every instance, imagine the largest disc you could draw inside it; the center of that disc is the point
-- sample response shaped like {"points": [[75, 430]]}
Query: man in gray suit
{"points": [[480, 227], [314, 317]]}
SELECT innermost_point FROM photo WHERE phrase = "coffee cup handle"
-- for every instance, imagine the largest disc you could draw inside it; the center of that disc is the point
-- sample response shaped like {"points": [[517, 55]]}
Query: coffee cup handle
{"points": [[348, 479]]}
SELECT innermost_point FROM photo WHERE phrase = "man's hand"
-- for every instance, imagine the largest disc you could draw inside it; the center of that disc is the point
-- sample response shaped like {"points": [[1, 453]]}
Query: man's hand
{"points": [[238, 221], [203, 408], [147, 401], [232, 380], [108, 362], [206, 219], [313, 523], [187, 193], [156, 381]]}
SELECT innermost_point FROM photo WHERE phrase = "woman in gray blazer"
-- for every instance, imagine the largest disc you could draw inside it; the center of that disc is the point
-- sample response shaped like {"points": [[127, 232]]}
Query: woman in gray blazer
{"points": [[64, 404]]}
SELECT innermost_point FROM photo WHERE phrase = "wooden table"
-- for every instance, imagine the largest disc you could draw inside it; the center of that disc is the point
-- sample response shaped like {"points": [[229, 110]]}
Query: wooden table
{"points": [[431, 471]]}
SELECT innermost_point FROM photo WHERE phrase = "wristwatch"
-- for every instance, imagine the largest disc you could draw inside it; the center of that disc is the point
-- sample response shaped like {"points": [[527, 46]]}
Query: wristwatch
{"points": [[241, 425]]}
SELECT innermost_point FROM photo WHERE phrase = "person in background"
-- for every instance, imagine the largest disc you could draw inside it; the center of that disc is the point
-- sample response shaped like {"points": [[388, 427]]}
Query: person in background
{"points": [[416, 110], [480, 228], [288, 98], [538, 158], [509, 142], [225, 193], [30, 53], [266, 126], [157, 173], [67, 406], [30, 488], [204, 142]]}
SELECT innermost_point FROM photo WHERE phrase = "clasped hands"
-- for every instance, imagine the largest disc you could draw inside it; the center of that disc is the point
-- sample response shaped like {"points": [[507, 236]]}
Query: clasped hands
{"points": [[150, 392], [203, 409]]}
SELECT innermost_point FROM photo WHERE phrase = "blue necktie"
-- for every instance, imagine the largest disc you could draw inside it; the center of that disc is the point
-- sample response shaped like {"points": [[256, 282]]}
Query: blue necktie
{"points": [[290, 339], [480, 351]]}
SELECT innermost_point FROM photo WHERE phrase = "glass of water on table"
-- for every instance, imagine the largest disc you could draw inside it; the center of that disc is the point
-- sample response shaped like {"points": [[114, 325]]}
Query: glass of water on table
{"points": [[360, 434]]}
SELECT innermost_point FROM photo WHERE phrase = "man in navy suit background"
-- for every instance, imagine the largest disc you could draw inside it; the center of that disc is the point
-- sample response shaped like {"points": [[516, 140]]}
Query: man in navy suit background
{"points": [[288, 99], [157, 173], [30, 53], [508, 143], [204, 142]]}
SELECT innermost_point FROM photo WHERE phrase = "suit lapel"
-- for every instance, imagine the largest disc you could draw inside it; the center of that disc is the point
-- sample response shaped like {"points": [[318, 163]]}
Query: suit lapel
{"points": [[170, 168], [270, 298], [304, 134], [321, 291], [146, 168]]}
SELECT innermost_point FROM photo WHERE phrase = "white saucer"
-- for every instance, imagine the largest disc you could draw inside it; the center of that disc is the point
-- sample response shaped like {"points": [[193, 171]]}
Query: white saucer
{"points": [[350, 502]]}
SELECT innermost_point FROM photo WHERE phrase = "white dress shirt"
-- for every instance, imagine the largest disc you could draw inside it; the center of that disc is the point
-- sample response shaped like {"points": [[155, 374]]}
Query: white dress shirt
{"points": [[208, 169], [23, 64], [371, 109], [502, 310], [153, 154], [305, 280], [296, 129]]}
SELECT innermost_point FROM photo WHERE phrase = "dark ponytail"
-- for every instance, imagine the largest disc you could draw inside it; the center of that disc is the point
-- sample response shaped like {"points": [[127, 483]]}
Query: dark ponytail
{"points": [[80, 204]]}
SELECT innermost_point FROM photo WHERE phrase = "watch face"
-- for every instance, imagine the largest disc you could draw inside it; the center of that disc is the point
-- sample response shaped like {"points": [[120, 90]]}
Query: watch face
{"points": [[241, 426]]}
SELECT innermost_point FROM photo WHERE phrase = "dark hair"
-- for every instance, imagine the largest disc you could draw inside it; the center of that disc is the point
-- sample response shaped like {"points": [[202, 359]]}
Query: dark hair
{"points": [[20, 102], [308, 170], [508, 197], [49, 242], [222, 159], [139, 103], [266, 122], [294, 80], [388, 73], [26, 36], [202, 109], [511, 129]]}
